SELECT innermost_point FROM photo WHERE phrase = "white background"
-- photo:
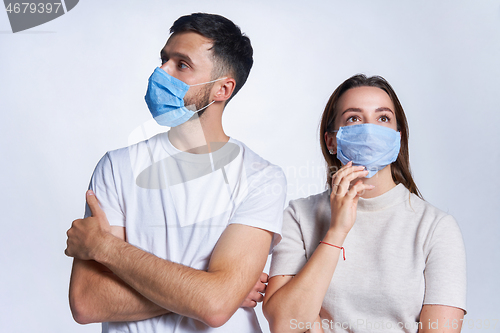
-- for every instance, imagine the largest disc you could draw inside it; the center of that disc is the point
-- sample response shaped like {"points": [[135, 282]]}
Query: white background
{"points": [[73, 88]]}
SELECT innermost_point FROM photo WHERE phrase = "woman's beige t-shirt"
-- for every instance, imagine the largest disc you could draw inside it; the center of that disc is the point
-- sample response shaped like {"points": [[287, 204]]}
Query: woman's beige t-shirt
{"points": [[401, 253]]}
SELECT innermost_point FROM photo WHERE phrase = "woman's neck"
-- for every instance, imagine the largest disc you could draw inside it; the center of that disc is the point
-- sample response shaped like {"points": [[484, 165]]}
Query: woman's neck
{"points": [[382, 181]]}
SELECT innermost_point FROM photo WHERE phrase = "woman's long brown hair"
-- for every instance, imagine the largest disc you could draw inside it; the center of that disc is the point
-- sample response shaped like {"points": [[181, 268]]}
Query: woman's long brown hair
{"points": [[400, 169]]}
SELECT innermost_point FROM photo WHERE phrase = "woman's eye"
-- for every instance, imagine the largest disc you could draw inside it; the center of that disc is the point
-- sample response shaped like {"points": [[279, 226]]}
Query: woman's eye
{"points": [[183, 65], [384, 119], [352, 119]]}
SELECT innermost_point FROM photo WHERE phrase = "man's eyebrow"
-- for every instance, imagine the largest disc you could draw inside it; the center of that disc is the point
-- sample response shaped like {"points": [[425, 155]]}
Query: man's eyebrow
{"points": [[179, 55]]}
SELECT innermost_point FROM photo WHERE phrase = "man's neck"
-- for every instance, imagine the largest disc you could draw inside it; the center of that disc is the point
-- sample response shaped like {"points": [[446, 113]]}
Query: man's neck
{"points": [[195, 135]]}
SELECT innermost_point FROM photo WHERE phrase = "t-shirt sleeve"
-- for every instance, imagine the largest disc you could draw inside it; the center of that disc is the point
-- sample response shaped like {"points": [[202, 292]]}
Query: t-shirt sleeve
{"points": [[104, 186], [445, 268], [289, 256], [263, 206]]}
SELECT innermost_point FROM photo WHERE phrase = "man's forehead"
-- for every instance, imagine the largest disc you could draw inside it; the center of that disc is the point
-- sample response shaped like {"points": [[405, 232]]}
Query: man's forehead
{"points": [[188, 41]]}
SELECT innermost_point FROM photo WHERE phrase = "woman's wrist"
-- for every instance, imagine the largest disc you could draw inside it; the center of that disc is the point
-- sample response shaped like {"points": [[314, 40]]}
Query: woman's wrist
{"points": [[335, 237]]}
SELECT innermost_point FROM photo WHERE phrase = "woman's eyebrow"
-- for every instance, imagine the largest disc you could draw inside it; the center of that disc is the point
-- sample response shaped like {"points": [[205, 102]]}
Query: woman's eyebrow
{"points": [[384, 109], [381, 109], [351, 110]]}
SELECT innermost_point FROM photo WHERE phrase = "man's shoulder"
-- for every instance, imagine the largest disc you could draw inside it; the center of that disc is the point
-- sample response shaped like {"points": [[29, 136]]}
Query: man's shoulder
{"points": [[256, 163], [142, 149]]}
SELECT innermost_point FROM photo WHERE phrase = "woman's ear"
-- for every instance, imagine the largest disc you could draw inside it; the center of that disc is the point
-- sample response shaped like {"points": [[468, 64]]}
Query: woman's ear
{"points": [[331, 142], [224, 89]]}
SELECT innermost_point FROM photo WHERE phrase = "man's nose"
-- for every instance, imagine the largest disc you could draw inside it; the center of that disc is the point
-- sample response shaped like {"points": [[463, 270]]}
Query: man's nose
{"points": [[167, 67]]}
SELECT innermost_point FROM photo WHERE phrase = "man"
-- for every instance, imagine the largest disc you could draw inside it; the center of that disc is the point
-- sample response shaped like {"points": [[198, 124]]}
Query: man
{"points": [[178, 227]]}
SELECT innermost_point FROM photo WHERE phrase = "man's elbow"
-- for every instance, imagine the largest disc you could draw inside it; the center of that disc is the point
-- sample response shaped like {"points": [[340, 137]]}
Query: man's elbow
{"points": [[80, 309], [217, 314], [80, 314], [216, 320]]}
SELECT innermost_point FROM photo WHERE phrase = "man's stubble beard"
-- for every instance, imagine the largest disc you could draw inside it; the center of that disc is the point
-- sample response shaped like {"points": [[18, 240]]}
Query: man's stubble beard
{"points": [[201, 100]]}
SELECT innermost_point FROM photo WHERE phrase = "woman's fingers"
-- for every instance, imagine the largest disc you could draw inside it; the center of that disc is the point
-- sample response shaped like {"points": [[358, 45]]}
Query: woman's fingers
{"points": [[340, 172], [346, 170], [346, 181], [343, 199], [337, 177], [358, 189], [343, 178]]}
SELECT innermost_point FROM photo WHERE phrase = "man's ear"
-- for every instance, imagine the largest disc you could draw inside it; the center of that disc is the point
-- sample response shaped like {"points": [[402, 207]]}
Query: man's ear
{"points": [[224, 89], [331, 142]]}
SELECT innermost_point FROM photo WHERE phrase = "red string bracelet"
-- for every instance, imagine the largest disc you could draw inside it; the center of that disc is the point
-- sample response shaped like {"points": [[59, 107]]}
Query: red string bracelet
{"points": [[338, 247]]}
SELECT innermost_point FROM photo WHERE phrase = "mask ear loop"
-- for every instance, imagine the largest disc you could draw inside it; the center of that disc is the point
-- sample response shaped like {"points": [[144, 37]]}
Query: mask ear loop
{"points": [[199, 84], [203, 108], [223, 171]]}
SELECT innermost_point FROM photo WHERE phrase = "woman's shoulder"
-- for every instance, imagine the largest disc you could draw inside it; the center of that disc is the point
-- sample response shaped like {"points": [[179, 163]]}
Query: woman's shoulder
{"points": [[308, 216], [429, 216], [312, 200], [313, 205], [419, 205]]}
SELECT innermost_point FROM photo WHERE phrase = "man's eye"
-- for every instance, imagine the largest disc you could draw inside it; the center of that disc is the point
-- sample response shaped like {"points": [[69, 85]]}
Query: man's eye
{"points": [[183, 65]]}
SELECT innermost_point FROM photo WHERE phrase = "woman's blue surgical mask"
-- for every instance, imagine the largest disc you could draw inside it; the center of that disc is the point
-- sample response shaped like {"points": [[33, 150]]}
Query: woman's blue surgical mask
{"points": [[372, 146], [165, 99]]}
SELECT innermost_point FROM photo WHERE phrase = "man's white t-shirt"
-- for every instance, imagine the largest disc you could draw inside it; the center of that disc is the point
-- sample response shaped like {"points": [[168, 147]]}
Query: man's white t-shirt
{"points": [[176, 205]]}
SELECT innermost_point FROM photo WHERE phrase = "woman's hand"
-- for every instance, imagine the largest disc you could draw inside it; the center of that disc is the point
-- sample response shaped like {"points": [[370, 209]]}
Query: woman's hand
{"points": [[308, 288], [344, 199]]}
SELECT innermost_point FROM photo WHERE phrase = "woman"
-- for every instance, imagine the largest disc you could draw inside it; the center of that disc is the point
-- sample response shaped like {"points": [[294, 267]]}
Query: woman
{"points": [[404, 267]]}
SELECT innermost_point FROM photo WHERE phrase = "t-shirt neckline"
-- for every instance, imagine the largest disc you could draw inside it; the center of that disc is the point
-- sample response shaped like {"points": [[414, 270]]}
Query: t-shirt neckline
{"points": [[394, 196], [195, 158]]}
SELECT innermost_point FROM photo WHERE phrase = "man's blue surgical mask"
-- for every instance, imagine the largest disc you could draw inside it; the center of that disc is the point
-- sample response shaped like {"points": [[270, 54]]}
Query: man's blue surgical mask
{"points": [[165, 99], [369, 145]]}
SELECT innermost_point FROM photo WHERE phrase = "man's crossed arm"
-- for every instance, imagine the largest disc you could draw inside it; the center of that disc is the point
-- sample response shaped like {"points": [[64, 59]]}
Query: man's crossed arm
{"points": [[115, 281]]}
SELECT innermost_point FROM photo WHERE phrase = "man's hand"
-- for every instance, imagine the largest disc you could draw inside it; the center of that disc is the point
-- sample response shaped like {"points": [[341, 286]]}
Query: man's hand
{"points": [[256, 295], [86, 235]]}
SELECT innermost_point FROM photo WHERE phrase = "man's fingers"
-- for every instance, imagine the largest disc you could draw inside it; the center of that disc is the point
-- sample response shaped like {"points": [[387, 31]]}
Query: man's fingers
{"points": [[249, 304], [93, 203], [258, 297], [260, 287], [255, 296], [66, 251]]}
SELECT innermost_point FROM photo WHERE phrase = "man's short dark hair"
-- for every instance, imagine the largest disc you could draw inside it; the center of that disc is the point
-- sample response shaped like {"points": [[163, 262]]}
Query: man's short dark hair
{"points": [[233, 53]]}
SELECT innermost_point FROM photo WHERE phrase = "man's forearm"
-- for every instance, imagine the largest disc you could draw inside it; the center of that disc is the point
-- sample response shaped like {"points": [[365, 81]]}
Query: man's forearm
{"points": [[211, 297], [172, 286], [98, 295]]}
